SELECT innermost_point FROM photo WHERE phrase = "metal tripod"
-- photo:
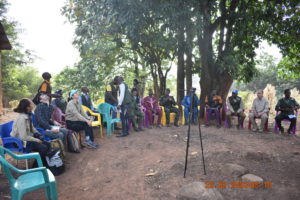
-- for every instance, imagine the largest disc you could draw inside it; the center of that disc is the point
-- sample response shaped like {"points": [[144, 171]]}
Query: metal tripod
{"points": [[191, 113]]}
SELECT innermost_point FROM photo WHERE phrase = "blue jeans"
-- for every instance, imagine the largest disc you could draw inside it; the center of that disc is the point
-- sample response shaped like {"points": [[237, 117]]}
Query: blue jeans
{"points": [[60, 135], [186, 114]]}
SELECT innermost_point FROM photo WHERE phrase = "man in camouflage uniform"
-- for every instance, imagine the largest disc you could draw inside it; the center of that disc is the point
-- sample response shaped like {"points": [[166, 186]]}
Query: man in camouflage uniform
{"points": [[134, 113], [286, 106], [168, 102]]}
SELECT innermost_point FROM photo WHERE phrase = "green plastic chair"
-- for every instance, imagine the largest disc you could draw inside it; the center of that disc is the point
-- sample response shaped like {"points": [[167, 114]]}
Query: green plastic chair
{"points": [[31, 179], [105, 110]]}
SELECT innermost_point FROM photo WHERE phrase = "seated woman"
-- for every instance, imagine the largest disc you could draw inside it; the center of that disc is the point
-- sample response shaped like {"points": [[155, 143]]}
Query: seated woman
{"points": [[24, 130], [77, 119]]}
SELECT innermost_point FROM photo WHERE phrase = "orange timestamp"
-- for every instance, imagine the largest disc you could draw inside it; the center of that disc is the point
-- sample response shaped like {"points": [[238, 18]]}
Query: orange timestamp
{"points": [[238, 184]]}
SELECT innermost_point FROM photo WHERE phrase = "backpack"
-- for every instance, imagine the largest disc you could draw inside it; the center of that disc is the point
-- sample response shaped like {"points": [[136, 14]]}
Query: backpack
{"points": [[55, 164], [57, 143], [73, 143], [36, 99]]}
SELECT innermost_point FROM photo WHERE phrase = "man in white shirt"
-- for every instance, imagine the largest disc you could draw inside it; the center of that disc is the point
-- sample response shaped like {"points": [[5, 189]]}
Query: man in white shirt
{"points": [[125, 99], [260, 109]]}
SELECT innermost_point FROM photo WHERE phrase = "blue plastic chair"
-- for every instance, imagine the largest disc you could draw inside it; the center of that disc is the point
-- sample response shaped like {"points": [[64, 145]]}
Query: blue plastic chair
{"points": [[105, 110], [31, 179], [12, 143]]}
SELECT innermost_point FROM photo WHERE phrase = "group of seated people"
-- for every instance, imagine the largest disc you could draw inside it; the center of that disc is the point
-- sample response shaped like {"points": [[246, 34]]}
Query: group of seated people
{"points": [[132, 107], [286, 107], [27, 121]]}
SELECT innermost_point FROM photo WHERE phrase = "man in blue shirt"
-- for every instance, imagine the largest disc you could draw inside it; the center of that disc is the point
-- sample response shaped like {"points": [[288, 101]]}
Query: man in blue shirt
{"points": [[188, 106]]}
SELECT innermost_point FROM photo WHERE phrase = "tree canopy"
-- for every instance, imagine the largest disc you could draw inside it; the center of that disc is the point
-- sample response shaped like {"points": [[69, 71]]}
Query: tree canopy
{"points": [[19, 79], [215, 39]]}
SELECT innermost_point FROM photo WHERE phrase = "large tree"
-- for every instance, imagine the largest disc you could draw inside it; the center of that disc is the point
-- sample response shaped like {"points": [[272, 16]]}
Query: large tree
{"points": [[231, 32], [218, 37]]}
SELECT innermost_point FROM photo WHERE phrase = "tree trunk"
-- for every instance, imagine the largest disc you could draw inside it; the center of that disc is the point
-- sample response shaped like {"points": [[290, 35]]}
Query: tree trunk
{"points": [[155, 81], [189, 54], [1, 89], [210, 77], [180, 66]]}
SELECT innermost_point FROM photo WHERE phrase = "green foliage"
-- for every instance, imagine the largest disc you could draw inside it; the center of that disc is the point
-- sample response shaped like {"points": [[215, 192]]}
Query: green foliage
{"points": [[268, 73], [19, 80], [133, 37], [23, 82]]}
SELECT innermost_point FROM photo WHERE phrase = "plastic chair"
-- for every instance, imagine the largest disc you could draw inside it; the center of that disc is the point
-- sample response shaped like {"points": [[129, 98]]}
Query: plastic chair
{"points": [[276, 128], [207, 115], [104, 109], [94, 123], [100, 101], [266, 127], [226, 122], [172, 117], [11, 143], [31, 179]]}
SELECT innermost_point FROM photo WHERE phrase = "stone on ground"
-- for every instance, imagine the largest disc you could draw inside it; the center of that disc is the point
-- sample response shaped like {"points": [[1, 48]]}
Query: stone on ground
{"points": [[197, 191], [235, 170], [252, 178]]}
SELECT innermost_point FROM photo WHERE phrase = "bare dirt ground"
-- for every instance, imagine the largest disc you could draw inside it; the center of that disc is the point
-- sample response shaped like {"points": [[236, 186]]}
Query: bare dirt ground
{"points": [[117, 169]]}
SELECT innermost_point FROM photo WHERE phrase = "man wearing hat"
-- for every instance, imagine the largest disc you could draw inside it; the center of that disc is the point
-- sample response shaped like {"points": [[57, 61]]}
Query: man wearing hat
{"points": [[77, 120], [59, 101], [168, 102], [191, 106], [235, 107]]}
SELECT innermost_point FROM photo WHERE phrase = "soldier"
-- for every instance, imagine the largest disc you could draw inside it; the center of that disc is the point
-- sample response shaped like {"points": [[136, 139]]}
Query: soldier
{"points": [[286, 106], [134, 112], [168, 102]]}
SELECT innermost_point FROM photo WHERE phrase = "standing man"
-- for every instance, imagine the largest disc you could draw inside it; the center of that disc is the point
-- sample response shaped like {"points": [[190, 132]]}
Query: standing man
{"points": [[45, 88], [213, 104], [125, 99], [260, 109], [151, 105], [235, 108], [286, 106], [111, 95], [187, 103], [137, 86], [168, 102], [85, 99]]}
